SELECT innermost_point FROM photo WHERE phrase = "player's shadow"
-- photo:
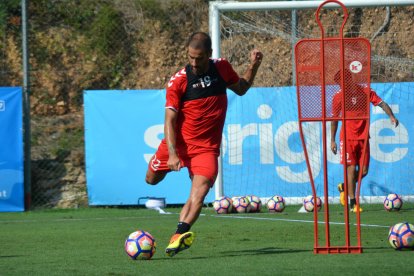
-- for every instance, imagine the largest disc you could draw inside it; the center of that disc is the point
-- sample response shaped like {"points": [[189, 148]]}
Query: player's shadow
{"points": [[238, 253], [11, 256], [261, 251]]}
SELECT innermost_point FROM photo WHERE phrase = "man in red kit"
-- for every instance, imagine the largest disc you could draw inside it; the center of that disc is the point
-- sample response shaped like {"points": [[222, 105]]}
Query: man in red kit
{"points": [[194, 118], [356, 131]]}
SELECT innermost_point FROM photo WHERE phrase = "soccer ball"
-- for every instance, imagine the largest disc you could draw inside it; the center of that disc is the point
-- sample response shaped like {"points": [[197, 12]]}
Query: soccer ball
{"points": [[276, 204], [140, 245], [401, 236], [309, 203], [241, 204], [255, 203], [234, 198], [393, 202], [223, 205]]}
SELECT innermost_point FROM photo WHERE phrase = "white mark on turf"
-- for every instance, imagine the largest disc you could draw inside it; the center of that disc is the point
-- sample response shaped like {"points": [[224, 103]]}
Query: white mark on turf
{"points": [[217, 216], [294, 220]]}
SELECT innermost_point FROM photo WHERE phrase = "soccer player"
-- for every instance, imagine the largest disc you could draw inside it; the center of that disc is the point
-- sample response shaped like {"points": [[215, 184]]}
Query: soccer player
{"points": [[355, 98], [195, 111]]}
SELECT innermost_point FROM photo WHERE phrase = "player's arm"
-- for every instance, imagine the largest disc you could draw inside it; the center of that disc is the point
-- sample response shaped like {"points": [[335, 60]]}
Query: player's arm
{"points": [[387, 109], [170, 137], [334, 128], [246, 81], [336, 111]]}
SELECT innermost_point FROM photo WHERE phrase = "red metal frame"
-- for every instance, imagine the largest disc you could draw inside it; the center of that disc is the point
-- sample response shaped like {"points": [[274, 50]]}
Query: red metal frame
{"points": [[328, 248]]}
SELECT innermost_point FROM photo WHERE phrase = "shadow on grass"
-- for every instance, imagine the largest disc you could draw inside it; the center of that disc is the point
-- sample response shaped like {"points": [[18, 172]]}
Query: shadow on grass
{"points": [[262, 251], [269, 251], [237, 253], [11, 256], [373, 249]]}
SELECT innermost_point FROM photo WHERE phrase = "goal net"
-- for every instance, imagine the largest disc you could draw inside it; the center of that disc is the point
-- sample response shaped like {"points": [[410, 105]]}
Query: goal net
{"points": [[262, 152]]}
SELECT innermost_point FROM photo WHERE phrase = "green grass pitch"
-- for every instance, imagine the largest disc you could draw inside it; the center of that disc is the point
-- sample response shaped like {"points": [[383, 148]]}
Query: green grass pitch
{"points": [[91, 242]]}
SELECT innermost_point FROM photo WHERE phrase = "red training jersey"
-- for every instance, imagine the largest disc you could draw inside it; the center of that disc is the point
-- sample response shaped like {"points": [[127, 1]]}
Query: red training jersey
{"points": [[355, 106], [201, 103]]}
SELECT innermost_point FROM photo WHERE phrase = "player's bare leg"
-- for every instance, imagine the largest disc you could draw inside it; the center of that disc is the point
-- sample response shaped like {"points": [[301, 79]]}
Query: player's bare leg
{"points": [[189, 214], [353, 173], [364, 172], [192, 208], [154, 178], [352, 176]]}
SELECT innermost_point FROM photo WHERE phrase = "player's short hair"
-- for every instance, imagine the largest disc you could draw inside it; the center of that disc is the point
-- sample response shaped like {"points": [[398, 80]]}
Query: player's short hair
{"points": [[199, 40]]}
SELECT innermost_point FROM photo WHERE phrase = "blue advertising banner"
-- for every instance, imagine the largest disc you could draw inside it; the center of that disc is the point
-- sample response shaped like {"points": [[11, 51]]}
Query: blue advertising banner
{"points": [[122, 132], [11, 150], [262, 153], [264, 142]]}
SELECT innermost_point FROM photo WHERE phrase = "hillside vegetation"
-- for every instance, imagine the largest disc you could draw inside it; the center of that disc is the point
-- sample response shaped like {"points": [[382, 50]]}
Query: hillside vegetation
{"points": [[139, 44]]}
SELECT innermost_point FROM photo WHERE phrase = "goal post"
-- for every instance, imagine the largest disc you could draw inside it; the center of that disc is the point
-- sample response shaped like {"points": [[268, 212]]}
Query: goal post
{"points": [[236, 27], [217, 7]]}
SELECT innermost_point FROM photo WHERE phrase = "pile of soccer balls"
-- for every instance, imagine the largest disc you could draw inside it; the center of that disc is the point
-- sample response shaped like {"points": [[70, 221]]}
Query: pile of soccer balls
{"points": [[247, 204], [253, 204]]}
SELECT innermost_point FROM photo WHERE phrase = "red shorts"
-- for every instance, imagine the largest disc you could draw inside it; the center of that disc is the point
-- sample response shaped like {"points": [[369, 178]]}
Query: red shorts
{"points": [[354, 152], [198, 160]]}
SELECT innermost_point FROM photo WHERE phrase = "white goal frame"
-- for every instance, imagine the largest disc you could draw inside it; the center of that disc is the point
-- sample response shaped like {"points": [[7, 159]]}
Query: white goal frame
{"points": [[216, 7]]}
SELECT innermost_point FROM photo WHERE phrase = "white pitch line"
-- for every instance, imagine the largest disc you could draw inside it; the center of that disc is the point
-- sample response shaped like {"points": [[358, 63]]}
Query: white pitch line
{"points": [[217, 216], [295, 220]]}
